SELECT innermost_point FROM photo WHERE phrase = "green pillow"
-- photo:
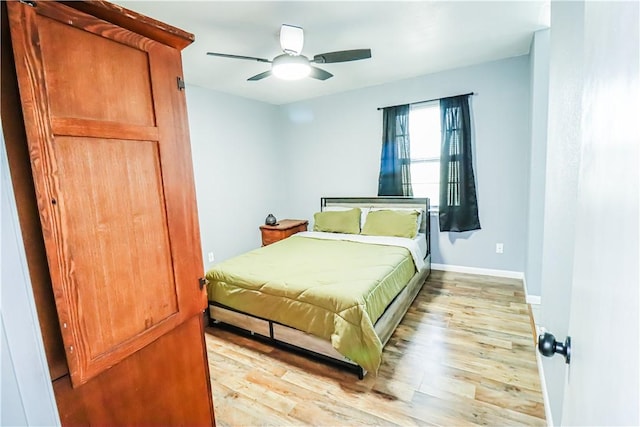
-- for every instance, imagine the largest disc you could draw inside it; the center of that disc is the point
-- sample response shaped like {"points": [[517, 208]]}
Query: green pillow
{"points": [[391, 223], [338, 221]]}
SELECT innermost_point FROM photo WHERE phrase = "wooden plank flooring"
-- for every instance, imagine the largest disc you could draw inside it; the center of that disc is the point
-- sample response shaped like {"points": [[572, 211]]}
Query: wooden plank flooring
{"points": [[464, 354]]}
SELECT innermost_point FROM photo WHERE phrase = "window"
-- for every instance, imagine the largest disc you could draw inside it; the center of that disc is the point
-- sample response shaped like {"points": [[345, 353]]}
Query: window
{"points": [[425, 137]]}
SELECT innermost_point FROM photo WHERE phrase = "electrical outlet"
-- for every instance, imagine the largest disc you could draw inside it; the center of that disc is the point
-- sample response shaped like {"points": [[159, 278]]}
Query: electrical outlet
{"points": [[499, 248], [211, 257]]}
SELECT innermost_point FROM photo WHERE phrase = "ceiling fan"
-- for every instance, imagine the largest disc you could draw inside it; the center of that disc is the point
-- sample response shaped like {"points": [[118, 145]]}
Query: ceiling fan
{"points": [[291, 65]]}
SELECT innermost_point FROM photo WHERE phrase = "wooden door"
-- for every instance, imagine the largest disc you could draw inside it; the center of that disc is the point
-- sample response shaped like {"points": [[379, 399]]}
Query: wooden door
{"points": [[109, 148]]}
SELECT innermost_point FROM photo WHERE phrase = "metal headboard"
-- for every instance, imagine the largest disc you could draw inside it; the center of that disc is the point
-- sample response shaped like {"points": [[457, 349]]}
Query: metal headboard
{"points": [[389, 202]]}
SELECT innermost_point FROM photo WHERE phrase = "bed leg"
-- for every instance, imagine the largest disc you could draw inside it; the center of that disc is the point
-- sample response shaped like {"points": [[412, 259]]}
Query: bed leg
{"points": [[207, 317]]}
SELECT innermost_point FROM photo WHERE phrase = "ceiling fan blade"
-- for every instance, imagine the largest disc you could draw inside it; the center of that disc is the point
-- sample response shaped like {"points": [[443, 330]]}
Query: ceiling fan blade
{"points": [[259, 76], [291, 39], [342, 56], [226, 55], [320, 74]]}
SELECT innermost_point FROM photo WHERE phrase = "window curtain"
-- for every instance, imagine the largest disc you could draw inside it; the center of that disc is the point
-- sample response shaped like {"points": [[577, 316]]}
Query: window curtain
{"points": [[458, 201], [395, 160]]}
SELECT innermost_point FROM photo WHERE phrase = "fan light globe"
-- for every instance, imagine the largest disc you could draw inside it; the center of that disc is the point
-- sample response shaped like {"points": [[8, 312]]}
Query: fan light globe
{"points": [[289, 67], [291, 39]]}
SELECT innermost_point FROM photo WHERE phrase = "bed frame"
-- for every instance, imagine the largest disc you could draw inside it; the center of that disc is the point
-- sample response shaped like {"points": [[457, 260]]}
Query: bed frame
{"points": [[296, 340]]}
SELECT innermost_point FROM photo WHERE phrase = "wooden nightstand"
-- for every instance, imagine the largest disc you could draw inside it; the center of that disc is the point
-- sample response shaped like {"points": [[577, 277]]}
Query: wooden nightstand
{"points": [[283, 229]]}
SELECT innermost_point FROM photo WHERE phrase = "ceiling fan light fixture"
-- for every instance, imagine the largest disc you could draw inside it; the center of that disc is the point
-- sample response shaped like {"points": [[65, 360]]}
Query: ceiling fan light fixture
{"points": [[288, 67], [291, 39], [291, 65]]}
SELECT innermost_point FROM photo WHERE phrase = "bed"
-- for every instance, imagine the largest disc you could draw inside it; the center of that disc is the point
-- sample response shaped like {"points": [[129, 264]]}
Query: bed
{"points": [[336, 292]]}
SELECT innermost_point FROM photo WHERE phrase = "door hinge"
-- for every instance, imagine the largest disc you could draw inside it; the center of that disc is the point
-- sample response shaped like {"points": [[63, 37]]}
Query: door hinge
{"points": [[202, 282], [28, 3], [180, 83]]}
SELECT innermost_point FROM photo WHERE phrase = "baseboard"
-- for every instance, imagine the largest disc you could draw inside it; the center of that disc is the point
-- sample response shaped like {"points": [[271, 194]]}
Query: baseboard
{"points": [[482, 271], [531, 299], [545, 392]]}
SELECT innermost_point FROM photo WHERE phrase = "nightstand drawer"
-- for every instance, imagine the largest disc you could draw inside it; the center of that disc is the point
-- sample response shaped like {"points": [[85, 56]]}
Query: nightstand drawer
{"points": [[269, 238], [282, 230]]}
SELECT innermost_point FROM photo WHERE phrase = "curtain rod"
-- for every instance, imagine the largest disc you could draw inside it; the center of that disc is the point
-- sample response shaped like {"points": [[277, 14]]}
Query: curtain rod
{"points": [[426, 100]]}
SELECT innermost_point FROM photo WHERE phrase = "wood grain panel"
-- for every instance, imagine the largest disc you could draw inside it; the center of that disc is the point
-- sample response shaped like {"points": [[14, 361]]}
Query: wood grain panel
{"points": [[165, 383], [133, 21], [122, 214], [251, 324], [177, 175], [81, 85], [100, 129], [306, 341]]}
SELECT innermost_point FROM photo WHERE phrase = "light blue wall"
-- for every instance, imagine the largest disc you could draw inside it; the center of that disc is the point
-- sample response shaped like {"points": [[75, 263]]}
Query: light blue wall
{"points": [[238, 169], [333, 147], [252, 158], [539, 63]]}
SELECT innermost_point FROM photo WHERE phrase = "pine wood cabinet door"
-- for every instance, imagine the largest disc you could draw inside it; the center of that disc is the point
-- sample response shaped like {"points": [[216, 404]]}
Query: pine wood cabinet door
{"points": [[109, 148]]}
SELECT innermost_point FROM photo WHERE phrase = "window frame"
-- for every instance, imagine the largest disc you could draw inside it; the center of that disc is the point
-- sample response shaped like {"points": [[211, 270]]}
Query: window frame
{"points": [[435, 104]]}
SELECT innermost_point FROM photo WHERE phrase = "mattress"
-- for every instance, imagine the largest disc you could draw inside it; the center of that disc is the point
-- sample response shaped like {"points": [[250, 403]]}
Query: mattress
{"points": [[322, 284]]}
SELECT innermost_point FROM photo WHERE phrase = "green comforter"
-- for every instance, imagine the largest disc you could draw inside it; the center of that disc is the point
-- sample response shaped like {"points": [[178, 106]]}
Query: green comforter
{"points": [[329, 288]]}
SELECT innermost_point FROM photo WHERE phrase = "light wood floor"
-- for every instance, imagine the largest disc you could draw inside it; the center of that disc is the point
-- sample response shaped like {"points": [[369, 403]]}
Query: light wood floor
{"points": [[464, 354]]}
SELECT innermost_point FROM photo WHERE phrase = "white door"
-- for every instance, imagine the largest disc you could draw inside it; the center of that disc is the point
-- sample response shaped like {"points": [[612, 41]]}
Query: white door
{"points": [[603, 384]]}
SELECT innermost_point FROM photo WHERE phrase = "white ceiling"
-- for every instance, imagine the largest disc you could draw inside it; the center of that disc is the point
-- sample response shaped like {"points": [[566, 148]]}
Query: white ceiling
{"points": [[407, 39]]}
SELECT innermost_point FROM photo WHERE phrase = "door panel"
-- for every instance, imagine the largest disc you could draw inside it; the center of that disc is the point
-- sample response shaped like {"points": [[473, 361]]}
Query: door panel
{"points": [[81, 85], [113, 177], [177, 175], [170, 386], [101, 226]]}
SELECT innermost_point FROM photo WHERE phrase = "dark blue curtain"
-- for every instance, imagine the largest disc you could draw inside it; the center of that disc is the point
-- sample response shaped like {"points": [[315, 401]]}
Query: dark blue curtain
{"points": [[395, 161], [458, 201]]}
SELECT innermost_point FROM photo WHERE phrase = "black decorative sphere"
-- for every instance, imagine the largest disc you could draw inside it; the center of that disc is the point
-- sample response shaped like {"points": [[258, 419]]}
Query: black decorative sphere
{"points": [[271, 220]]}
